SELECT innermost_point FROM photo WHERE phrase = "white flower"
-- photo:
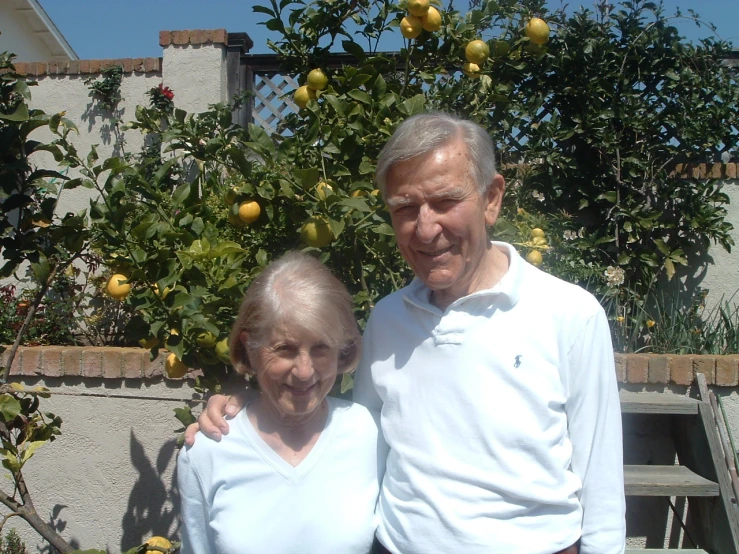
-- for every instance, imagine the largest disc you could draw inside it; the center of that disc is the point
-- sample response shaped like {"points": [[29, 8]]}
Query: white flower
{"points": [[569, 235], [537, 195], [614, 276]]}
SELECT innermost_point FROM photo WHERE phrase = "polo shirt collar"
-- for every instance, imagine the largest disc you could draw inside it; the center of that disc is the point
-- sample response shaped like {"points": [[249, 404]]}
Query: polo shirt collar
{"points": [[507, 290]]}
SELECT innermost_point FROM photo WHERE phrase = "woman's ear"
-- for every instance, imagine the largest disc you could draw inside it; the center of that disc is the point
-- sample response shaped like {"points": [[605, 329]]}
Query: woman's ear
{"points": [[348, 357], [244, 351]]}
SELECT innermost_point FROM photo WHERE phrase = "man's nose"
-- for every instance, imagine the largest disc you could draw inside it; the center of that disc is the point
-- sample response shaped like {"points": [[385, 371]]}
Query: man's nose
{"points": [[427, 225]]}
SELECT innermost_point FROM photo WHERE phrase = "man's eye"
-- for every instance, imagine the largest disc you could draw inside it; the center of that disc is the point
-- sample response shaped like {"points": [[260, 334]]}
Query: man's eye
{"points": [[405, 210], [446, 204]]}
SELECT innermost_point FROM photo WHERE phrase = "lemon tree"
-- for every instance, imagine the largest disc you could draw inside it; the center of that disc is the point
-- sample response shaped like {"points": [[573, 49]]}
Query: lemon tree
{"points": [[313, 179]]}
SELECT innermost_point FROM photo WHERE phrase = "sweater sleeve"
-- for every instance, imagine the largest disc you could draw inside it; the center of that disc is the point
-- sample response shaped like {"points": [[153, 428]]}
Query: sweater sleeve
{"points": [[594, 422], [196, 534], [364, 390]]}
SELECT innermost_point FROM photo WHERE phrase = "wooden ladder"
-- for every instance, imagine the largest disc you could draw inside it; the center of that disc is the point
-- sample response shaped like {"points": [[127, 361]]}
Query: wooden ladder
{"points": [[689, 504]]}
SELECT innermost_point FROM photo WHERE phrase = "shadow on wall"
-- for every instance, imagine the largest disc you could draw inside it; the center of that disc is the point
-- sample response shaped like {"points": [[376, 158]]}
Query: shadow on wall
{"points": [[109, 132], [59, 525], [152, 505]]}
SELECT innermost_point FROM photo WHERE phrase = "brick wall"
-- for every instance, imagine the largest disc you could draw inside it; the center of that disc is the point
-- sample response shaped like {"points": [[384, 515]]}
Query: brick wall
{"points": [[707, 171], [193, 37], [81, 361], [88, 67], [134, 363]]}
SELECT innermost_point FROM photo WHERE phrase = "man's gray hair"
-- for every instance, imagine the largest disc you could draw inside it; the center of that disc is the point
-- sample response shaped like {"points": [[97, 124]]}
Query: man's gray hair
{"points": [[424, 133], [299, 291]]}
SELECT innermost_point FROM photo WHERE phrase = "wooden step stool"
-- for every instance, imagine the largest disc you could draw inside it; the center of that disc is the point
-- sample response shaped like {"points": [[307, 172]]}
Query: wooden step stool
{"points": [[695, 491]]}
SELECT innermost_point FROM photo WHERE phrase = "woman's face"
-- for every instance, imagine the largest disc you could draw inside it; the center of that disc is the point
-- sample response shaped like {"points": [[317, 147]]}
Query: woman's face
{"points": [[295, 370]]}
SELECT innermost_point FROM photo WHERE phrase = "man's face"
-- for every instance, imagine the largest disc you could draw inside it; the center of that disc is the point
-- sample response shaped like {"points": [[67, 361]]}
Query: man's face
{"points": [[440, 220]]}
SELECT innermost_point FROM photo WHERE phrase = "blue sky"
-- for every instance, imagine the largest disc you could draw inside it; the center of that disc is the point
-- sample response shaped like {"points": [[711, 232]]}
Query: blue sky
{"points": [[99, 29]]}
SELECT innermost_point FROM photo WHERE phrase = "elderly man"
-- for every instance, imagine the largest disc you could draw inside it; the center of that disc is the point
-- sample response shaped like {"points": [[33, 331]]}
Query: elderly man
{"points": [[495, 380]]}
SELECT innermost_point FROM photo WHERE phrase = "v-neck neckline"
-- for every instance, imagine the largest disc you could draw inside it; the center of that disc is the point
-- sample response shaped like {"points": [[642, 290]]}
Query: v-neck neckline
{"points": [[293, 474]]}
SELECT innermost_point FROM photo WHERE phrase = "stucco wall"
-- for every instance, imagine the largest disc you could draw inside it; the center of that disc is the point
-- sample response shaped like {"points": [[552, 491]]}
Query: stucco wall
{"points": [[107, 481], [722, 273]]}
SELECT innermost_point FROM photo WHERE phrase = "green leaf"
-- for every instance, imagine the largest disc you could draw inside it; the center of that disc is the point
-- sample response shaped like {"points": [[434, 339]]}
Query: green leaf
{"points": [[184, 416], [261, 257], [351, 47], [181, 194], [383, 229], [415, 105], [360, 96], [9, 407], [20, 114], [670, 268], [661, 246], [347, 382], [41, 268], [30, 449]]}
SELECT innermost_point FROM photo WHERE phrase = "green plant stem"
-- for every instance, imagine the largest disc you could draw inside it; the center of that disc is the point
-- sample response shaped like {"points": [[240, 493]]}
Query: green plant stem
{"points": [[26, 322]]}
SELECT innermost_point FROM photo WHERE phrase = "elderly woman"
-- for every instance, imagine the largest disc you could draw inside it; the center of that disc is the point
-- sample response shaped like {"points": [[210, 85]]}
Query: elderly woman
{"points": [[299, 471]]}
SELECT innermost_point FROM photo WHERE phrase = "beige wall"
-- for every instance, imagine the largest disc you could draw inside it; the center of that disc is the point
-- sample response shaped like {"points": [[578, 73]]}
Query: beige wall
{"points": [[722, 273], [107, 481]]}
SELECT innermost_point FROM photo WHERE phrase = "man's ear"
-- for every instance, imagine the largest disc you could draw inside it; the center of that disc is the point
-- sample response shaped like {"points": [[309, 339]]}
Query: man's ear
{"points": [[494, 199]]}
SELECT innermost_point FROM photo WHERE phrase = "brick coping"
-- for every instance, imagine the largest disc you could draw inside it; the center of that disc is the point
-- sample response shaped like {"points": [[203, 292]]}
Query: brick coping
{"points": [[134, 363], [87, 67], [88, 362], [194, 37]]}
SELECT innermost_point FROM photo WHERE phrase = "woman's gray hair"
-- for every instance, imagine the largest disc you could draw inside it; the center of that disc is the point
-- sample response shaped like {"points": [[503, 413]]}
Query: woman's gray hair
{"points": [[424, 133], [299, 291]]}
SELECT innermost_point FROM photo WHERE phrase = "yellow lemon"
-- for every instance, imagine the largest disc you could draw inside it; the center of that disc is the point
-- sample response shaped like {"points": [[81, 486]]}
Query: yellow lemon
{"points": [[222, 351], [537, 30], [418, 7], [410, 26], [432, 20], [149, 343], [471, 70], [537, 232], [358, 193], [535, 258], [116, 289], [249, 211], [160, 542], [316, 232], [323, 189], [539, 241], [303, 95], [206, 340], [477, 51], [175, 369], [317, 79]]}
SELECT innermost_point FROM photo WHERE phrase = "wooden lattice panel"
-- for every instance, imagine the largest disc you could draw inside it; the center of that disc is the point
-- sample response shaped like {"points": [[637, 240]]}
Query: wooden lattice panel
{"points": [[273, 99]]}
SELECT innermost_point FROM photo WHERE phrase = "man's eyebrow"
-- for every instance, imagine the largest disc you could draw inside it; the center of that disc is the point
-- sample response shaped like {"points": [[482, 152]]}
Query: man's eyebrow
{"points": [[397, 201], [456, 193]]}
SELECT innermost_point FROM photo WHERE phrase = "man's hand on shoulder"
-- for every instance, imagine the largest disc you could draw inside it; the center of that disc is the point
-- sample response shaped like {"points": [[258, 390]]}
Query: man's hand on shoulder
{"points": [[212, 420]]}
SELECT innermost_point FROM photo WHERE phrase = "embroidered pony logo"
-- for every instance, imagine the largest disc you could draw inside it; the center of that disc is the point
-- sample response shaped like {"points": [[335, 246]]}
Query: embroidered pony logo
{"points": [[517, 363]]}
